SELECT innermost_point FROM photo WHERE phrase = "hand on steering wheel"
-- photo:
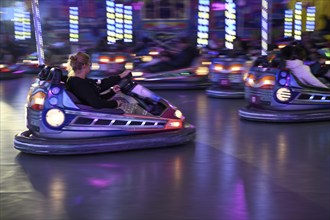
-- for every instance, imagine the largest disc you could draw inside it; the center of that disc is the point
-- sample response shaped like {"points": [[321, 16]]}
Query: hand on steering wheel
{"points": [[116, 88], [125, 73]]}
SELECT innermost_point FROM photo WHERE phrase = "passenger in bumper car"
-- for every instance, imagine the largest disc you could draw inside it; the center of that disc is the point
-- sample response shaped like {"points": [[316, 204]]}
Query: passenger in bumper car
{"points": [[294, 55], [171, 60], [98, 94]]}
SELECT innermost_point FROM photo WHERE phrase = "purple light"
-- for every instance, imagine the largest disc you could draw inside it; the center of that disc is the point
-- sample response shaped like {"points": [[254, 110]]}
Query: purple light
{"points": [[137, 5], [218, 7]]}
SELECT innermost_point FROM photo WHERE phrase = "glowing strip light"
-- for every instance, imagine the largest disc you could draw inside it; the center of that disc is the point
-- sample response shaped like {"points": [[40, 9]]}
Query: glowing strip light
{"points": [[230, 23], [38, 32], [203, 22], [111, 21], [297, 20], [264, 27], [74, 24], [288, 20], [128, 23], [310, 18], [22, 23], [119, 18]]}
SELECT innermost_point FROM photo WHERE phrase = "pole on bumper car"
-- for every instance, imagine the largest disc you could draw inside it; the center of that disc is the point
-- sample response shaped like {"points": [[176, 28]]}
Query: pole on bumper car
{"points": [[38, 32]]}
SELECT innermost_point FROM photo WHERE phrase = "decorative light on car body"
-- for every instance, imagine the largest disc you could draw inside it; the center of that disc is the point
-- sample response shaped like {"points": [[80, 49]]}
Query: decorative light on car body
{"points": [[153, 53], [129, 66], [37, 100], [146, 58], [136, 74], [104, 59], [55, 117], [178, 114], [173, 124], [202, 71], [236, 68], [30, 62], [218, 67], [327, 62], [283, 94], [206, 63], [119, 59], [95, 66]]}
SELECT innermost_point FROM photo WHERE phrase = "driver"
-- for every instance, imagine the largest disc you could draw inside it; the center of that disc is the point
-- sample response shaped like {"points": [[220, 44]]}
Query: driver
{"points": [[87, 90], [294, 56]]}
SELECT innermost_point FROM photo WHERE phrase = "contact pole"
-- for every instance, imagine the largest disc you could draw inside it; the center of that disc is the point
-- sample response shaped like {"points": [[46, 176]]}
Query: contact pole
{"points": [[38, 32]]}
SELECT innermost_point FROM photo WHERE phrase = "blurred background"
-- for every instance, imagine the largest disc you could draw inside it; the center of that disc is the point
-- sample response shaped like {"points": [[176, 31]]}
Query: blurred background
{"points": [[71, 25]]}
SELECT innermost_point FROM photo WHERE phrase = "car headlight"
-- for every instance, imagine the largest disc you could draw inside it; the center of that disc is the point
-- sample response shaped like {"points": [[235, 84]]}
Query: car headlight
{"points": [[178, 114], [55, 117], [283, 94], [146, 58], [218, 67], [202, 71]]}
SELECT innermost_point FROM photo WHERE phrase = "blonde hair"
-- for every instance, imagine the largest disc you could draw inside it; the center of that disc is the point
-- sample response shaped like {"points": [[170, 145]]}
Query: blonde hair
{"points": [[76, 62]]}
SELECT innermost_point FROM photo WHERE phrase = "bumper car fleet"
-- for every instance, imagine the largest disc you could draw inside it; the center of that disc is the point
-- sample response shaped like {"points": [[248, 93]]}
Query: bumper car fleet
{"points": [[226, 75], [105, 64], [57, 124], [274, 94], [194, 76]]}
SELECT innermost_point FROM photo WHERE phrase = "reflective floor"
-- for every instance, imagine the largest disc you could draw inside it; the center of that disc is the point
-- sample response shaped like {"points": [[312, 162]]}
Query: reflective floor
{"points": [[234, 170]]}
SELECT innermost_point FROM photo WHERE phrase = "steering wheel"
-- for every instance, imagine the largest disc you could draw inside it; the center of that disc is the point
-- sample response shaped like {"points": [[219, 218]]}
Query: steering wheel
{"points": [[126, 84]]}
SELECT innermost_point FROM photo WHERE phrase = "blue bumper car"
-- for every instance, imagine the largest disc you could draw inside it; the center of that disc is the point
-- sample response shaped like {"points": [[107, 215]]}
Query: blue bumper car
{"points": [[58, 124], [8, 72], [105, 64], [226, 75], [276, 95], [195, 76]]}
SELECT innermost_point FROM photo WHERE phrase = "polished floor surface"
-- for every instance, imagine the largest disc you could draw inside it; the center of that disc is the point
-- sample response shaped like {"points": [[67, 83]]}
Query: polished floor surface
{"points": [[234, 170]]}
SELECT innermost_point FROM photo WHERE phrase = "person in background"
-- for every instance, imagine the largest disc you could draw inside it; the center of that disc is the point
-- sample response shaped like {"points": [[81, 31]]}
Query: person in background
{"points": [[294, 55], [180, 58]]}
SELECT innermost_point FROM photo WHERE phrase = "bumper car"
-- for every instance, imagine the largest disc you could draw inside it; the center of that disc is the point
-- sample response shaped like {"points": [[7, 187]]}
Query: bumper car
{"points": [[193, 77], [226, 75], [8, 72], [59, 125], [105, 64], [276, 95]]}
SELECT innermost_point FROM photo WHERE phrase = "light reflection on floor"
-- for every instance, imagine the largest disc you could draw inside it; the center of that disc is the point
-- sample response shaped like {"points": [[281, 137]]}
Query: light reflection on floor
{"points": [[234, 170]]}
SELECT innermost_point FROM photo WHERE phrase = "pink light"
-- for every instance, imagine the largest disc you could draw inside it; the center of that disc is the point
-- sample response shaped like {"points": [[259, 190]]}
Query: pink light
{"points": [[218, 6], [137, 5]]}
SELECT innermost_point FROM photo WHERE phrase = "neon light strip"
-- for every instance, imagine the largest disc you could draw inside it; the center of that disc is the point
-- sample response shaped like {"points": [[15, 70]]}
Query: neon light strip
{"points": [[128, 23], [297, 20], [230, 23], [22, 23], [288, 20], [74, 24], [38, 32], [203, 22], [264, 27], [119, 26], [310, 18], [111, 30]]}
